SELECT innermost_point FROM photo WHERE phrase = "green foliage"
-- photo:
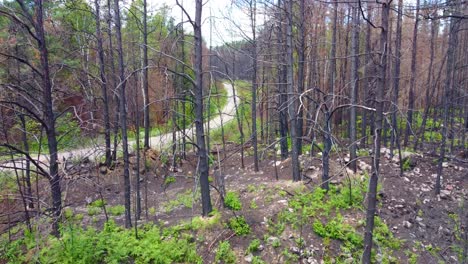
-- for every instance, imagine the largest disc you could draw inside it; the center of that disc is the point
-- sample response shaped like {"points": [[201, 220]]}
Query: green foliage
{"points": [[239, 225], [253, 246], [406, 165], [98, 203], [253, 205], [257, 260], [169, 180], [92, 211], [110, 245], [232, 201], [224, 253], [184, 199], [116, 210]]}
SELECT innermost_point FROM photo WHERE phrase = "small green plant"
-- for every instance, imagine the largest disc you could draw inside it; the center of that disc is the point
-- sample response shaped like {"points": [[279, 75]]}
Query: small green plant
{"points": [[152, 210], [232, 201], [239, 225], [253, 205], [251, 188], [116, 210], [257, 260], [68, 213], [169, 180], [253, 246], [98, 203], [92, 211], [406, 165], [224, 253]]}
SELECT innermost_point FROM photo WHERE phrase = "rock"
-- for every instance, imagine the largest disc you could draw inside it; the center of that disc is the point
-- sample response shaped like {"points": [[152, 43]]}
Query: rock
{"points": [[406, 179], [295, 250], [418, 219], [417, 170], [271, 240], [248, 258], [261, 247], [103, 170], [445, 194], [445, 164], [407, 224], [311, 260]]}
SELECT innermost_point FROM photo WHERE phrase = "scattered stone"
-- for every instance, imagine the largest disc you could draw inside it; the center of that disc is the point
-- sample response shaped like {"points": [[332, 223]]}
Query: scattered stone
{"points": [[407, 224], [445, 194], [406, 179], [445, 164], [418, 219], [295, 250], [248, 258], [261, 247], [103, 170], [272, 240], [311, 260], [283, 201]]}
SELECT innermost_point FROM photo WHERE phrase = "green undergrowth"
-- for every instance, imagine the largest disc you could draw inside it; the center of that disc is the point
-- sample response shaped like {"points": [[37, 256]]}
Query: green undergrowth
{"points": [[112, 244], [336, 215]]}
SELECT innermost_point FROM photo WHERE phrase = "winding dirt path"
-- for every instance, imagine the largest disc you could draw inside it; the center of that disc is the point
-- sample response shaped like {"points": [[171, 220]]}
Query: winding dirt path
{"points": [[157, 142]]}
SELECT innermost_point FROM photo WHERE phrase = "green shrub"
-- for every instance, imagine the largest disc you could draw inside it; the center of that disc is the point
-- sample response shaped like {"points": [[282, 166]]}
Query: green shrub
{"points": [[110, 245], [232, 201], [253, 246], [116, 210], [239, 225], [224, 253]]}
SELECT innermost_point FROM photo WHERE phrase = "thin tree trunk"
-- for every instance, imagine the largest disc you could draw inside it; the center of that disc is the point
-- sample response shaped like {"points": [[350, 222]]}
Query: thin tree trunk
{"points": [[409, 123], [300, 74], [368, 77], [253, 20], [354, 84], [114, 80], [430, 87], [123, 116], [200, 134], [329, 101], [54, 177], [146, 101], [372, 193], [292, 95], [452, 45], [396, 77], [107, 136]]}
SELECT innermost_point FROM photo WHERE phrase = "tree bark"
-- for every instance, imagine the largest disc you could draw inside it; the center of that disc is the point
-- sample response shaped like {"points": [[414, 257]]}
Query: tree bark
{"points": [[450, 69], [200, 133], [292, 95], [409, 122], [49, 118], [396, 77], [123, 116], [103, 82], [372, 193], [354, 84]]}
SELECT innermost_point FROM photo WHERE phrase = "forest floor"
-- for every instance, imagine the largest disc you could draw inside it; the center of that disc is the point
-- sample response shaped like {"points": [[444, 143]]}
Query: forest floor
{"points": [[416, 226]]}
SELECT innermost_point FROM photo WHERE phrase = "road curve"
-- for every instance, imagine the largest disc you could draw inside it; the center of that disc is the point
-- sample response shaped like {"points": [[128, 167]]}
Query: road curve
{"points": [[156, 142]]}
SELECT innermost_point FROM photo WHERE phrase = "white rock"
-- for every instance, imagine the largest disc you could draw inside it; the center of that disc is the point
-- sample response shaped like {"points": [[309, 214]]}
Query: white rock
{"points": [[248, 258], [407, 224]]}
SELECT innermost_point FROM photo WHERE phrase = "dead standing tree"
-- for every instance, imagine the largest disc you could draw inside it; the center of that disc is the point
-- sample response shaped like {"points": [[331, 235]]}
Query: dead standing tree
{"points": [[379, 101], [30, 17]]}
